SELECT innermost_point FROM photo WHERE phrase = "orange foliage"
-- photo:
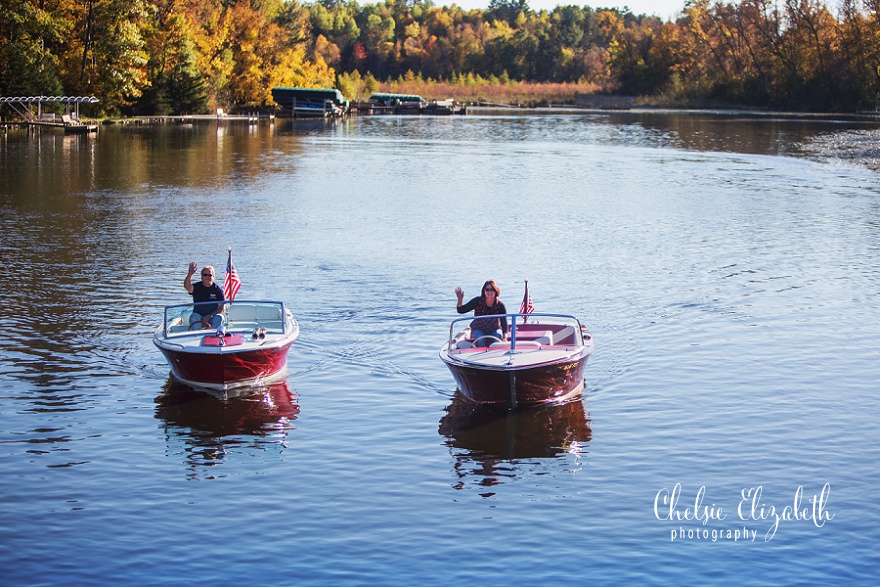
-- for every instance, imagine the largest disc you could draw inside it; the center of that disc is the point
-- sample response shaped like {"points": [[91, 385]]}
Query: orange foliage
{"points": [[520, 93]]}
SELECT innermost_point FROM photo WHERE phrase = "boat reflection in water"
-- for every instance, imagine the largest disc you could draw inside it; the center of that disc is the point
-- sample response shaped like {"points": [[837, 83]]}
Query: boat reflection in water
{"points": [[207, 426], [494, 443]]}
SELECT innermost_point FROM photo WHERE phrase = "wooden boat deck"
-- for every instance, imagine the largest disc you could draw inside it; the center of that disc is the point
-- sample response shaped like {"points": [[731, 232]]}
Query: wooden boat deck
{"points": [[524, 355]]}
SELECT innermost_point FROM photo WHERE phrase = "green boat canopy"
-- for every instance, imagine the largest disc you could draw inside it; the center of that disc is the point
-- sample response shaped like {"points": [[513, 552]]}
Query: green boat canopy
{"points": [[286, 96], [386, 98]]}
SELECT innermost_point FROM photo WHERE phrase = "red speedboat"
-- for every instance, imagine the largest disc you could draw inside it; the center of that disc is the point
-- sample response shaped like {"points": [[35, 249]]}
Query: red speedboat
{"points": [[249, 349], [543, 362]]}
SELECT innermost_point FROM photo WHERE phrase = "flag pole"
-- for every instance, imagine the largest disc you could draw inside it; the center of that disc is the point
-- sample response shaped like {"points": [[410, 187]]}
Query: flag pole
{"points": [[513, 326], [225, 277], [526, 306]]}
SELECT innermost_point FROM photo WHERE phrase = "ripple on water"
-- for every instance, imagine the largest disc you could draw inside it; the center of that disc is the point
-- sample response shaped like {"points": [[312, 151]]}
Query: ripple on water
{"points": [[730, 285]]}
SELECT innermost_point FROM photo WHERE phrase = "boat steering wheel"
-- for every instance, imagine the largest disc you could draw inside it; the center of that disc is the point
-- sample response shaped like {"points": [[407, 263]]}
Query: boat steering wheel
{"points": [[489, 336]]}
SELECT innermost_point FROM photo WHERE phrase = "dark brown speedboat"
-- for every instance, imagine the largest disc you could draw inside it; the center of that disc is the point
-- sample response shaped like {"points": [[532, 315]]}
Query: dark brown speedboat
{"points": [[543, 362]]}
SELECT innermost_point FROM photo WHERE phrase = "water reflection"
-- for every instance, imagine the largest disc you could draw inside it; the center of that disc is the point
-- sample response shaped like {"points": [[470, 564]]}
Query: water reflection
{"points": [[205, 427], [493, 444]]}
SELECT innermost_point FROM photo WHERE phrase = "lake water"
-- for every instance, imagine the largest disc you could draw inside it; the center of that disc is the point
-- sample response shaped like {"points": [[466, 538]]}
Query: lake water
{"points": [[728, 268]]}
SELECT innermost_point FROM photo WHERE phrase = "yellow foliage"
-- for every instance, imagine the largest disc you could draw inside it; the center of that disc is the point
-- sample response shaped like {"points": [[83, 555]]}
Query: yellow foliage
{"points": [[295, 71], [412, 30]]}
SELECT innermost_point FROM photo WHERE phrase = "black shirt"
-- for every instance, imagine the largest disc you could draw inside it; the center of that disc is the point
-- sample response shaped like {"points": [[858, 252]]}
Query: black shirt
{"points": [[201, 293], [481, 309]]}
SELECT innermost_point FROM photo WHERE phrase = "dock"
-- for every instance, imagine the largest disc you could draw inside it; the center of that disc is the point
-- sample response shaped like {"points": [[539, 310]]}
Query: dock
{"points": [[23, 106], [381, 103]]}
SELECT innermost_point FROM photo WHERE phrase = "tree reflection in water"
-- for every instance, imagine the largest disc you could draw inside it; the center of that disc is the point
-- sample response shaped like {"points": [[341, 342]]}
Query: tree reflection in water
{"points": [[207, 426], [493, 443]]}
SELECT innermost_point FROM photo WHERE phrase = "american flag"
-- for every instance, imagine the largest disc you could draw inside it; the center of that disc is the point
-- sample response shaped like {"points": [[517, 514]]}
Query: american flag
{"points": [[527, 306], [231, 283]]}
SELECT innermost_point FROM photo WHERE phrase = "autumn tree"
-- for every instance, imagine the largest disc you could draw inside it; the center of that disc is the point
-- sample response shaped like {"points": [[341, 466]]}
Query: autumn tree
{"points": [[175, 83], [31, 42]]}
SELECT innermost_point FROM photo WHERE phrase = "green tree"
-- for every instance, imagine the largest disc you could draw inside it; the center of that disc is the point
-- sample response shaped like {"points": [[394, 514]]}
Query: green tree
{"points": [[175, 82], [507, 10], [105, 55], [30, 37]]}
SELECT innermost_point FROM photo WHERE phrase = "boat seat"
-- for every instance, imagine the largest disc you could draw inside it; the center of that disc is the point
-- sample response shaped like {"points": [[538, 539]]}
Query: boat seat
{"points": [[238, 313], [256, 314], [268, 313], [544, 337], [464, 344], [567, 332], [183, 326]]}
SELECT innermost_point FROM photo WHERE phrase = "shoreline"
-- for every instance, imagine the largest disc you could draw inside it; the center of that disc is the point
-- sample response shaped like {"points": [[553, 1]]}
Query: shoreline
{"points": [[733, 112], [489, 110]]}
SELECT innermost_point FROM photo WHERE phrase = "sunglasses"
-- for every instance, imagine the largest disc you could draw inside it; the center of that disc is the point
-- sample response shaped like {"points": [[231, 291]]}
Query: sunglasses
{"points": [[489, 290], [207, 275]]}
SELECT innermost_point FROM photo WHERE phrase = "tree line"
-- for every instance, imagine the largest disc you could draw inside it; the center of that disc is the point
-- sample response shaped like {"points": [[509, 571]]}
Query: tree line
{"points": [[177, 56]]}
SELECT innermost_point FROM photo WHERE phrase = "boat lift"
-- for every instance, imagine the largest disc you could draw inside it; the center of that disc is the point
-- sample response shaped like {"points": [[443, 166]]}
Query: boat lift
{"points": [[23, 107]]}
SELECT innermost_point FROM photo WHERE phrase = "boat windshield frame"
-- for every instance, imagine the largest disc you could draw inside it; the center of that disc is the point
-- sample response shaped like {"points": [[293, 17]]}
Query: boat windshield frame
{"points": [[512, 324], [174, 311]]}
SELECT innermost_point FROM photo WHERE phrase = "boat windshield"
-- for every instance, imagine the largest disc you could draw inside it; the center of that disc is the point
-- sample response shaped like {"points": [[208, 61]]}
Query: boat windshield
{"points": [[525, 330], [238, 316]]}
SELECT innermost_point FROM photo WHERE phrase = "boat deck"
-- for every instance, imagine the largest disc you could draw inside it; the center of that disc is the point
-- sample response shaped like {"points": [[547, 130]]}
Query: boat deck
{"points": [[501, 355], [207, 341]]}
